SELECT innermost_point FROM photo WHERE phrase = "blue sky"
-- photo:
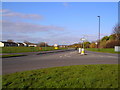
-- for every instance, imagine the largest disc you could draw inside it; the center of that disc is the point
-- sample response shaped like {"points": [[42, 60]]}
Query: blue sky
{"points": [[57, 23]]}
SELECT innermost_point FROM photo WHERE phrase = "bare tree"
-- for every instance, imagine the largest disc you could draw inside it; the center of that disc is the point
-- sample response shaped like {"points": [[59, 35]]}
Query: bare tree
{"points": [[116, 31]]}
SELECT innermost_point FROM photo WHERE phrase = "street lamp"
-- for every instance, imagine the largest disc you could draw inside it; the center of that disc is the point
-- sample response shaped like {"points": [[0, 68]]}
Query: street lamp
{"points": [[99, 33]]}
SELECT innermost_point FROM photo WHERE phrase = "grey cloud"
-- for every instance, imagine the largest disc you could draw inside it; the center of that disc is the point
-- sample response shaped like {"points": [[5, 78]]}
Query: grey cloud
{"points": [[8, 13], [21, 38], [4, 10], [94, 37], [20, 27]]}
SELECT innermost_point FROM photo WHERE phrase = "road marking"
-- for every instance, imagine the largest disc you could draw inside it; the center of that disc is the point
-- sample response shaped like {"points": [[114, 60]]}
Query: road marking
{"points": [[61, 56]]}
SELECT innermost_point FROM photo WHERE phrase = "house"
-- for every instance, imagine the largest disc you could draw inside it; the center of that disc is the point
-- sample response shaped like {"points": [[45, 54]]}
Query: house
{"points": [[1, 44], [8, 44], [25, 44], [20, 44], [12, 44], [30, 44]]}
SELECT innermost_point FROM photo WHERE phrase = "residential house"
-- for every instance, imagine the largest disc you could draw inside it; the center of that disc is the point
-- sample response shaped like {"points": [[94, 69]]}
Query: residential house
{"points": [[20, 44], [8, 44], [30, 44]]}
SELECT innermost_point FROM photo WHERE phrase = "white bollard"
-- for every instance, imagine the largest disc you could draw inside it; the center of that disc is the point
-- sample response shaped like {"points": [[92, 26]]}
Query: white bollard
{"points": [[79, 50], [82, 51]]}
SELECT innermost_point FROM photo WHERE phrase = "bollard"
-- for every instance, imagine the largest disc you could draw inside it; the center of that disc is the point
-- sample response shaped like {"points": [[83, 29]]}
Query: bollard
{"points": [[79, 50], [40, 48], [82, 51], [56, 47]]}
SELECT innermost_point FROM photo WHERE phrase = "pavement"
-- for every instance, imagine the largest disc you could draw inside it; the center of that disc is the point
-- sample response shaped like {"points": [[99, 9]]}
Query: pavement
{"points": [[66, 58]]}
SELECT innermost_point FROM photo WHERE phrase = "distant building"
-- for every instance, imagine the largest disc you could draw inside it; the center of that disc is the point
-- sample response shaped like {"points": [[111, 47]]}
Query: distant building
{"points": [[30, 44], [1, 44], [25, 44], [20, 44], [7, 44], [12, 44]]}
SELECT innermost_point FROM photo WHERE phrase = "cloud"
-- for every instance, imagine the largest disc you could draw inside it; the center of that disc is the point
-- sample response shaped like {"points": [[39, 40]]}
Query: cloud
{"points": [[94, 37], [8, 13], [4, 10], [22, 38], [65, 4], [21, 27]]}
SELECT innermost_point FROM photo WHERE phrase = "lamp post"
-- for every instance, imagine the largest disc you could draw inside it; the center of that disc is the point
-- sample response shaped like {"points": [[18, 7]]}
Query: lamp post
{"points": [[99, 33]]}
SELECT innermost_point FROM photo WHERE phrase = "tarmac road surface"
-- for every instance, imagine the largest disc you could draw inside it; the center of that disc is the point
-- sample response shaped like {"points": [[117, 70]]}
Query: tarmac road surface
{"points": [[31, 62]]}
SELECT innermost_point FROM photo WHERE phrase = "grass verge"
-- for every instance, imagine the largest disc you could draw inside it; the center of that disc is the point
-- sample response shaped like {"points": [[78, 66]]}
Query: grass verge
{"points": [[26, 49], [16, 55], [78, 76], [104, 50]]}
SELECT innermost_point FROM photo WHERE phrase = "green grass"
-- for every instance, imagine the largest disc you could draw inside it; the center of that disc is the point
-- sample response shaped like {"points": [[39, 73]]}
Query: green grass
{"points": [[25, 49], [16, 55], [104, 50], [78, 76]]}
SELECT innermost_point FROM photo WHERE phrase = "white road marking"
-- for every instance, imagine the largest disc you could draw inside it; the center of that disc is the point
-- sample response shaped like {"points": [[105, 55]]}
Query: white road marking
{"points": [[61, 56]]}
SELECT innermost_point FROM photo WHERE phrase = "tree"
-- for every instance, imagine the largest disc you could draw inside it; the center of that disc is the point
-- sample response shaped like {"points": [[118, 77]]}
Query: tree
{"points": [[43, 44], [92, 45], [86, 44], [103, 44], [105, 38], [116, 31], [112, 43]]}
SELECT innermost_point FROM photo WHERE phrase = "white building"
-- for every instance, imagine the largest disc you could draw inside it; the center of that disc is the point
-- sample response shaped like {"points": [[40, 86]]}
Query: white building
{"points": [[1, 44]]}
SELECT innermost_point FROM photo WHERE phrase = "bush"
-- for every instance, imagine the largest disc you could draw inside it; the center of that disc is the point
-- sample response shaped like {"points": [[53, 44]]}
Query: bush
{"points": [[103, 44], [112, 43], [92, 45]]}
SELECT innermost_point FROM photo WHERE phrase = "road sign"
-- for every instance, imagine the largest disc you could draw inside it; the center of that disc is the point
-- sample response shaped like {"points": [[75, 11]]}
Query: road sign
{"points": [[82, 39], [55, 45]]}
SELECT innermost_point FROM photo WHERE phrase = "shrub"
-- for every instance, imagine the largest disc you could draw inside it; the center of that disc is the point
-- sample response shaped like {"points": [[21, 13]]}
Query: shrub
{"points": [[103, 44], [92, 45], [112, 43]]}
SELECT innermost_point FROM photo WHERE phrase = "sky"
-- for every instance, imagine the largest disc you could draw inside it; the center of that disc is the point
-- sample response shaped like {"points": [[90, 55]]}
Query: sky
{"points": [[57, 22]]}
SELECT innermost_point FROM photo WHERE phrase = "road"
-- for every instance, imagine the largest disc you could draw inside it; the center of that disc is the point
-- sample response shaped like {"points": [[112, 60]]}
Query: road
{"points": [[31, 62]]}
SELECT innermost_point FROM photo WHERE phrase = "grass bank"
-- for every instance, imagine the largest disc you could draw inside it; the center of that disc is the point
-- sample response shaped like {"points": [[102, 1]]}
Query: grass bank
{"points": [[104, 50], [78, 76], [26, 49]]}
